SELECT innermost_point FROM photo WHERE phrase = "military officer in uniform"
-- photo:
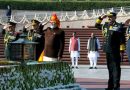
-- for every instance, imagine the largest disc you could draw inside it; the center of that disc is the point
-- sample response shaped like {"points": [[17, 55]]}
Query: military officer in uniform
{"points": [[35, 34], [114, 35], [9, 35]]}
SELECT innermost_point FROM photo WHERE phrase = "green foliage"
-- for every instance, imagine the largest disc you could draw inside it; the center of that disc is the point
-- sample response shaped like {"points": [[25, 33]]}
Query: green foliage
{"points": [[62, 6], [30, 77], [62, 0]]}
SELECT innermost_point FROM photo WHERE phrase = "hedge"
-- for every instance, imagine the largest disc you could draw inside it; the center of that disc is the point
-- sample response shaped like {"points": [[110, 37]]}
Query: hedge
{"points": [[61, 6], [35, 76]]}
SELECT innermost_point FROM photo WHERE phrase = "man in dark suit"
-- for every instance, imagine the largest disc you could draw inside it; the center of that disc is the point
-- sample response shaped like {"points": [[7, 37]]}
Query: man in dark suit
{"points": [[114, 35]]}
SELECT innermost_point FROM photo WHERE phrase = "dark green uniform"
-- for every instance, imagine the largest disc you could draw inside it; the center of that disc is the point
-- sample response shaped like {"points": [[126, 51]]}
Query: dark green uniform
{"points": [[9, 37], [114, 38]]}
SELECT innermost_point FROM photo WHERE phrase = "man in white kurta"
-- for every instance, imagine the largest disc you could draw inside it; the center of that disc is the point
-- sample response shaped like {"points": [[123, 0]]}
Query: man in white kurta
{"points": [[74, 49], [93, 45]]}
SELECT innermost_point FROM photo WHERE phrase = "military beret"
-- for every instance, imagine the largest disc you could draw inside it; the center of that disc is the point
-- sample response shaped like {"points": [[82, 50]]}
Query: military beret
{"points": [[111, 14], [11, 23], [34, 22]]}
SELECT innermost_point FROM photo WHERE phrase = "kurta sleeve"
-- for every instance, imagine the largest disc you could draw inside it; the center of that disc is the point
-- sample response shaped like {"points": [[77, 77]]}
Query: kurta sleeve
{"points": [[98, 43], [70, 45], [78, 44], [88, 44]]}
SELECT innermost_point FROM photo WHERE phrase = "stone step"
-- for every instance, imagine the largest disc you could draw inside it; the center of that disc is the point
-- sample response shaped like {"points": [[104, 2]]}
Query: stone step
{"points": [[84, 35], [1, 52], [81, 35], [82, 51], [80, 29], [91, 27], [84, 32], [2, 56]]}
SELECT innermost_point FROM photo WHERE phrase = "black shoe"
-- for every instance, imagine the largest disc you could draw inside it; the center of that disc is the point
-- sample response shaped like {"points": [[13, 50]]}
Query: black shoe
{"points": [[77, 68], [72, 66], [116, 89], [95, 67], [109, 89], [90, 67]]}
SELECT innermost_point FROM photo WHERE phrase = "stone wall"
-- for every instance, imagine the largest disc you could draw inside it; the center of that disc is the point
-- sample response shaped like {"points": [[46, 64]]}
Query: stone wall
{"points": [[80, 23]]}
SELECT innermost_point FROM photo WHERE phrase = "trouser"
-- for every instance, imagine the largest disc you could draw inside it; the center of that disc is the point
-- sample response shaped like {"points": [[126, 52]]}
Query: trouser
{"points": [[114, 70], [93, 61], [74, 61], [128, 49], [7, 52]]}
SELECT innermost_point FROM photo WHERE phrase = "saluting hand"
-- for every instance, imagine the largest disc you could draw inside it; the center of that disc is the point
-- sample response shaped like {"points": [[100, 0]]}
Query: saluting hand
{"points": [[5, 26], [45, 23], [103, 16], [27, 25]]}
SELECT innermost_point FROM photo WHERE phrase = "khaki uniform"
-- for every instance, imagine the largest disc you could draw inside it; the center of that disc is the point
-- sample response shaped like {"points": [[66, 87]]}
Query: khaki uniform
{"points": [[9, 37]]}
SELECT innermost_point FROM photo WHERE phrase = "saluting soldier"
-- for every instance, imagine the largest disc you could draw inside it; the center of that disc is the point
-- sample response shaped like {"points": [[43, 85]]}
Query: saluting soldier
{"points": [[10, 35], [35, 34], [114, 34]]}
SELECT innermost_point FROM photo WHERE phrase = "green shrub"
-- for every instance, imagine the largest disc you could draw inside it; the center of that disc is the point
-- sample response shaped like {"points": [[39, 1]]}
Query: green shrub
{"points": [[34, 76], [62, 6]]}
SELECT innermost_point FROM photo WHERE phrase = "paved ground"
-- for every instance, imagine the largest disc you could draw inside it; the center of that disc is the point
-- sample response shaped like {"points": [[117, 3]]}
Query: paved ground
{"points": [[96, 79]]}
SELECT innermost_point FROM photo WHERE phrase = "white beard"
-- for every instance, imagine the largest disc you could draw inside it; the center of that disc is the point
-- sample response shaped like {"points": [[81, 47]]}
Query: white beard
{"points": [[53, 26]]}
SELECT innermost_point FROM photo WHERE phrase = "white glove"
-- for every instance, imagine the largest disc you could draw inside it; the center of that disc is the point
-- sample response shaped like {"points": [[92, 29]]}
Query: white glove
{"points": [[5, 26], [28, 25]]}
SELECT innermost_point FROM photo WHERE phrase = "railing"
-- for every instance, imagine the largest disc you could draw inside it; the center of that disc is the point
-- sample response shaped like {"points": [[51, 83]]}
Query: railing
{"points": [[65, 15]]}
